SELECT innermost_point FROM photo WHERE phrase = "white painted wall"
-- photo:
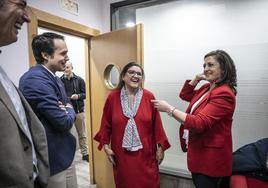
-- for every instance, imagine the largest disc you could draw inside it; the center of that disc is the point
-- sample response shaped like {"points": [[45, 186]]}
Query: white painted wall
{"points": [[90, 11], [14, 58], [177, 35]]}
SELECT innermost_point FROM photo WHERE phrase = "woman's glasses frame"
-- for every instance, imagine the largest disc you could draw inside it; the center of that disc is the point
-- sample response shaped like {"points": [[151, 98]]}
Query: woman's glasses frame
{"points": [[133, 73]]}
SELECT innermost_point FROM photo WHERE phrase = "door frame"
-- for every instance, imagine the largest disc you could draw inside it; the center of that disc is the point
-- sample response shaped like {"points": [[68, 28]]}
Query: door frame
{"points": [[43, 19]]}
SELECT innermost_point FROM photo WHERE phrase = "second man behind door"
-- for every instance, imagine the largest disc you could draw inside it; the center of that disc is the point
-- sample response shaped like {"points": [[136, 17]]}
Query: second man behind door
{"points": [[75, 89]]}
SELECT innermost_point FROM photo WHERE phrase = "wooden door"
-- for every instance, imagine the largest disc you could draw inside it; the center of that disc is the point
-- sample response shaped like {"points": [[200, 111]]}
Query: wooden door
{"points": [[118, 48]]}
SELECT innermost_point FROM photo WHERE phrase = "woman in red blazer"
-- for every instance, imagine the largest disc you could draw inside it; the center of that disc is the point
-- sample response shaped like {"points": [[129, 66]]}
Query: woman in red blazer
{"points": [[205, 132], [131, 132]]}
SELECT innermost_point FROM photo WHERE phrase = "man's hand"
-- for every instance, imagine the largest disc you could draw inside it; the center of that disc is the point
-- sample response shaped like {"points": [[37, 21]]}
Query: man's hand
{"points": [[68, 105], [74, 97], [63, 107]]}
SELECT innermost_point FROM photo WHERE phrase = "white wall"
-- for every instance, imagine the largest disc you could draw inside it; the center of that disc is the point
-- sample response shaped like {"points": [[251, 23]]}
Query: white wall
{"points": [[90, 11], [176, 37], [14, 58]]}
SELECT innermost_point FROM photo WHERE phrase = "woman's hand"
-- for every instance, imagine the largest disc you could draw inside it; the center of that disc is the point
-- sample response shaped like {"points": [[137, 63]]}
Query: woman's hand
{"points": [[200, 77], [110, 154], [159, 154], [197, 79], [162, 105]]}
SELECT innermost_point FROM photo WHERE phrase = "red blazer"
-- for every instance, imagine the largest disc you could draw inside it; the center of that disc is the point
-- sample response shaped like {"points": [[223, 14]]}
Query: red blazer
{"points": [[210, 139]]}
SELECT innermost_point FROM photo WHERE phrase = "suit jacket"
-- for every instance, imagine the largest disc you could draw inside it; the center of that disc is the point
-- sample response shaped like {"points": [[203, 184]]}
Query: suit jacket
{"points": [[252, 157], [16, 162], [209, 124], [43, 91]]}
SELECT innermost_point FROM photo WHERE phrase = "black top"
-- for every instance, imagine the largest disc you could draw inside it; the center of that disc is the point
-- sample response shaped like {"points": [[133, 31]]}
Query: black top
{"points": [[75, 85]]}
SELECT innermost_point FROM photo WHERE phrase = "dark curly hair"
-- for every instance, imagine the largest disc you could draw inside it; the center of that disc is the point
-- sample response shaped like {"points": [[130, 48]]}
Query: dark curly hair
{"points": [[2, 3], [124, 71], [227, 66]]}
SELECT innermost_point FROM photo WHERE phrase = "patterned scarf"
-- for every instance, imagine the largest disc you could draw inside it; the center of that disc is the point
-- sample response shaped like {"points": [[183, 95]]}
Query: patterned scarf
{"points": [[131, 139]]}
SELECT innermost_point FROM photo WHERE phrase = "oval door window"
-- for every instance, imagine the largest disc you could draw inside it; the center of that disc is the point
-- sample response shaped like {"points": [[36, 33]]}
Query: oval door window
{"points": [[111, 76]]}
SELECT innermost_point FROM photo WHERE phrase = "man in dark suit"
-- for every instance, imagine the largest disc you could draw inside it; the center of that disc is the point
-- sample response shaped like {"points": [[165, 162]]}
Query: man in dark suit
{"points": [[46, 94], [23, 144]]}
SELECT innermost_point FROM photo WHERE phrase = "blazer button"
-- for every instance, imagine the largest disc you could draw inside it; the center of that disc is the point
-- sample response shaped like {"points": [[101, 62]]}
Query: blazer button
{"points": [[26, 148]]}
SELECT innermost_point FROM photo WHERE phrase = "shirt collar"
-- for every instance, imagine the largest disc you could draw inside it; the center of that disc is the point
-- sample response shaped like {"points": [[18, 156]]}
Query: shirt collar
{"points": [[69, 77], [49, 70]]}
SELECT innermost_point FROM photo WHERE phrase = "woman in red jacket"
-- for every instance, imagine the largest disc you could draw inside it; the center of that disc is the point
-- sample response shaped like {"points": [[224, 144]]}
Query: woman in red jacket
{"points": [[133, 128], [205, 132]]}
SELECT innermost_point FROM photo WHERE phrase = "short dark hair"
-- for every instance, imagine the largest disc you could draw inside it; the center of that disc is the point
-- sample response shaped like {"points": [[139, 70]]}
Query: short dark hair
{"points": [[44, 43], [227, 66], [124, 71], [2, 2]]}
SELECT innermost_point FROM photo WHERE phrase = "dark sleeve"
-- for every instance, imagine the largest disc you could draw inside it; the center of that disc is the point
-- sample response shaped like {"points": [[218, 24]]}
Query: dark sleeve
{"points": [[82, 94], [40, 93], [251, 157]]}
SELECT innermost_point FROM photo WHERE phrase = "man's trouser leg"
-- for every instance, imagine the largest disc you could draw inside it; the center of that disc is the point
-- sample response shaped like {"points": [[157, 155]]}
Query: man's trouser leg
{"points": [[81, 131]]}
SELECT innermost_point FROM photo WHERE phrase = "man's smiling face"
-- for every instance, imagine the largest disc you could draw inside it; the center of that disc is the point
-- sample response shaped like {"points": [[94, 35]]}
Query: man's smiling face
{"points": [[12, 15]]}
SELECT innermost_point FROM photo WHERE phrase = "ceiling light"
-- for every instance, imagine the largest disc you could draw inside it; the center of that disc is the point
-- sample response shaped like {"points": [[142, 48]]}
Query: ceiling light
{"points": [[129, 24]]}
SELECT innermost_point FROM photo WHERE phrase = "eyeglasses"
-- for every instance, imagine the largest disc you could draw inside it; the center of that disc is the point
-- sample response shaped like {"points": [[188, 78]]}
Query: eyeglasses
{"points": [[133, 73]]}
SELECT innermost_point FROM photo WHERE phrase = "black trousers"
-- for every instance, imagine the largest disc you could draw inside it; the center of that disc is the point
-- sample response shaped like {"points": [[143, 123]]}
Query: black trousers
{"points": [[204, 181]]}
